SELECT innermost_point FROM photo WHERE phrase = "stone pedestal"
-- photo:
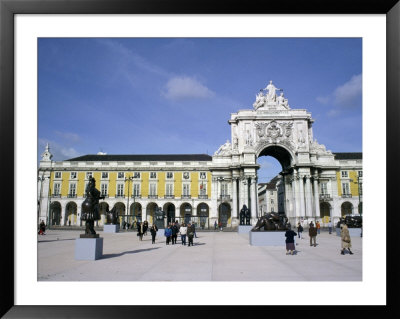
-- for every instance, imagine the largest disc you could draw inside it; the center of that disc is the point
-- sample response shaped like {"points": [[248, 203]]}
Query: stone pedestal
{"points": [[111, 228], [267, 238], [244, 229], [88, 248], [354, 232]]}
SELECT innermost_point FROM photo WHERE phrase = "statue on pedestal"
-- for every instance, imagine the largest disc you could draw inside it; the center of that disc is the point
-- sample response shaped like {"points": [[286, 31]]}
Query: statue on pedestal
{"points": [[272, 221], [112, 216], [242, 215], [90, 208]]}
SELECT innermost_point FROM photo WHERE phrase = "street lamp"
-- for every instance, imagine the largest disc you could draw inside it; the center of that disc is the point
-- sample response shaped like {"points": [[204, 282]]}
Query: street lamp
{"points": [[128, 179]]}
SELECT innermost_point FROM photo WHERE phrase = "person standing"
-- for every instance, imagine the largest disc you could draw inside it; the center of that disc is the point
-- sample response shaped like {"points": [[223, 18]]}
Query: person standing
{"points": [[190, 234], [153, 232], [215, 225], [140, 230], [318, 227], [194, 231], [183, 231], [168, 234], [312, 232], [290, 247], [300, 230], [145, 227], [345, 239], [330, 227], [174, 235]]}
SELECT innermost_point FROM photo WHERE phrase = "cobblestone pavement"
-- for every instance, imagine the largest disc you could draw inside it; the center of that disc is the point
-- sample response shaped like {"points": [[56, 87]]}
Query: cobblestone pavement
{"points": [[215, 256]]}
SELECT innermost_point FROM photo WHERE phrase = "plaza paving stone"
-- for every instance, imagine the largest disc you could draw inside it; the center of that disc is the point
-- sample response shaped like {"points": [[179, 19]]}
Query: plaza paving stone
{"points": [[215, 256]]}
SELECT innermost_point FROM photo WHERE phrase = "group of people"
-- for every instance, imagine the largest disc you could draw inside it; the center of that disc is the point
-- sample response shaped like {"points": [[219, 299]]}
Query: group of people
{"points": [[313, 231], [171, 232], [185, 230]]}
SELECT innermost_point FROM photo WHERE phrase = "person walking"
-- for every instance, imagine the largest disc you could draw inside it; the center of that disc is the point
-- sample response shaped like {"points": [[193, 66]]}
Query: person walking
{"points": [[183, 231], [145, 227], [290, 247], [318, 225], [175, 231], [345, 239], [168, 234], [153, 232], [330, 227], [215, 225], [312, 232], [194, 230], [190, 234], [42, 228], [300, 230], [140, 230]]}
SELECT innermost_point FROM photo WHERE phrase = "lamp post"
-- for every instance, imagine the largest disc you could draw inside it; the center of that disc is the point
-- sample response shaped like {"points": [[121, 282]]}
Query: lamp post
{"points": [[128, 179]]}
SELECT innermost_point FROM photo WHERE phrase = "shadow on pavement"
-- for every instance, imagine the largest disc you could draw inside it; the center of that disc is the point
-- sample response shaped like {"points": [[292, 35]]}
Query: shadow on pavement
{"points": [[105, 256], [50, 240]]}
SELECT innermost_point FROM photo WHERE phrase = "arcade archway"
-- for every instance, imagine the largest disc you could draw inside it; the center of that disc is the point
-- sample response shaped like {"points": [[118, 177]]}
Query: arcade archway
{"points": [[224, 214], [346, 208], [70, 214], [55, 214]]}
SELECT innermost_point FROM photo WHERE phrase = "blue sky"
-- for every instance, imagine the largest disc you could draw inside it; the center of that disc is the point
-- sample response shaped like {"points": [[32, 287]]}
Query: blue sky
{"points": [[175, 95]]}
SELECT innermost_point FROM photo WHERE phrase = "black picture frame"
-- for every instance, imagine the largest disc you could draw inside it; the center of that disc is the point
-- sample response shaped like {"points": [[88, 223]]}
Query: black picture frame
{"points": [[8, 10]]}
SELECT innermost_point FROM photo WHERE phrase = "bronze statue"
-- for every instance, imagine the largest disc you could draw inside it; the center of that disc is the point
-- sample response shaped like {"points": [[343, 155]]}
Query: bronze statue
{"points": [[90, 208], [248, 216], [112, 216], [242, 215], [272, 221]]}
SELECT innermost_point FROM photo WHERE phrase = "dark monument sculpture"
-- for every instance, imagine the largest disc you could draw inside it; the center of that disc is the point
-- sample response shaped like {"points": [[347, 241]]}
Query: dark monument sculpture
{"points": [[248, 216], [242, 215], [112, 216], [90, 209], [272, 221], [350, 221]]}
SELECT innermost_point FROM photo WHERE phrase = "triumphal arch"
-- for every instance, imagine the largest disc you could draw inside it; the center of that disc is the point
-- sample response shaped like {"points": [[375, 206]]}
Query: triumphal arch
{"points": [[272, 128]]}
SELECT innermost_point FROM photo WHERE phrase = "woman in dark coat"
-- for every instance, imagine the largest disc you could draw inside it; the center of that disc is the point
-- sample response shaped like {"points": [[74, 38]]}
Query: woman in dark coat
{"points": [[140, 230], [290, 234], [153, 232]]}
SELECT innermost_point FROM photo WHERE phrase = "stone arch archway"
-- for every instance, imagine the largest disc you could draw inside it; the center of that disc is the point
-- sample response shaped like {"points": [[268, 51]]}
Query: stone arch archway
{"points": [[71, 214], [103, 206], [346, 209], [325, 210], [224, 214], [186, 212], [150, 212], [203, 212], [170, 212], [55, 214]]}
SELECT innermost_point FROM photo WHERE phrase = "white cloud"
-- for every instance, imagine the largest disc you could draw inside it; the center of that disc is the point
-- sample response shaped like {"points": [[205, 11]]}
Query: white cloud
{"points": [[184, 87], [69, 137], [60, 152], [347, 95]]}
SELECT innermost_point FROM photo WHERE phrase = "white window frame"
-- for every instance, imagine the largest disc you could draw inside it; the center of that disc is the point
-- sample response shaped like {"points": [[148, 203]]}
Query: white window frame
{"points": [[202, 175], [324, 190], [186, 175], [169, 177], [136, 175], [104, 175], [169, 189], [224, 189], [203, 191], [72, 175], [120, 189], [72, 189], [344, 188], [136, 189], [56, 188], [360, 173], [186, 189], [57, 175], [104, 189], [152, 189], [153, 175], [89, 175], [121, 175], [344, 174]]}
